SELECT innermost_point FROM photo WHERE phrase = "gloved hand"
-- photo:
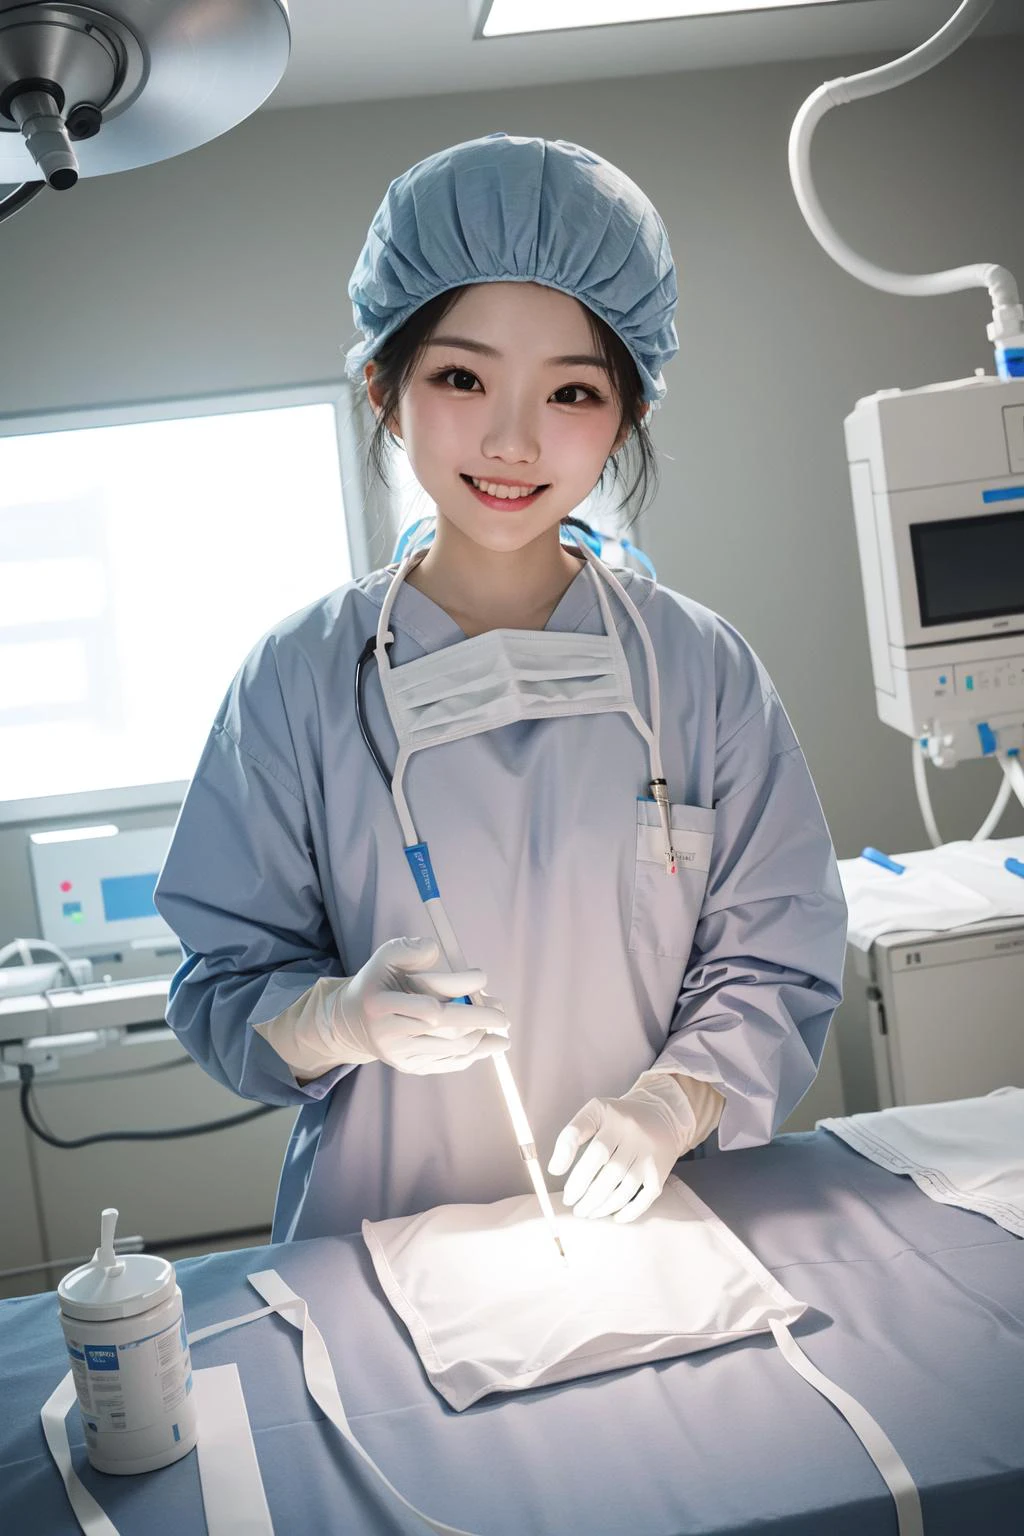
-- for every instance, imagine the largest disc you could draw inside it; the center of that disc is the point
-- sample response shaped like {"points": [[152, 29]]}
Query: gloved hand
{"points": [[394, 1010], [634, 1144]]}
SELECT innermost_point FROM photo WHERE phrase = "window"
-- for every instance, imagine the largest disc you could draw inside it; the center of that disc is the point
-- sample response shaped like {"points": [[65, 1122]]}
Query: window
{"points": [[141, 558]]}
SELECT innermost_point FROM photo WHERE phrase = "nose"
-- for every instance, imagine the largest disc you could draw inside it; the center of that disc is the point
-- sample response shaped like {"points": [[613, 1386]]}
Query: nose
{"points": [[511, 432]]}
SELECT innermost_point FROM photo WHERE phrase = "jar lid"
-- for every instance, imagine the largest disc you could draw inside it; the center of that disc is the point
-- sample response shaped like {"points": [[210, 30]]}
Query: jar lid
{"points": [[112, 1285]]}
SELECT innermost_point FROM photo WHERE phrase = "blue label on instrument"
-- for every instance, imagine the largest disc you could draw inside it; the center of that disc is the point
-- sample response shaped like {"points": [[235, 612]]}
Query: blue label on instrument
{"points": [[101, 1357], [422, 871]]}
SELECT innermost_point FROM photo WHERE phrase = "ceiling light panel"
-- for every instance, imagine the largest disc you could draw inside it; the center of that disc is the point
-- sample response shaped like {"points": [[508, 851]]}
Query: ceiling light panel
{"points": [[506, 18]]}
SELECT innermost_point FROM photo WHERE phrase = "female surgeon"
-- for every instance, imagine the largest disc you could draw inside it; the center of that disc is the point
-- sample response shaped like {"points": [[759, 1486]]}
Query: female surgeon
{"points": [[620, 822]]}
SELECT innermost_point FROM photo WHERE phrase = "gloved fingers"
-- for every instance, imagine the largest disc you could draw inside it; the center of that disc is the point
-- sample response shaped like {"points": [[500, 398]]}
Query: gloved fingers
{"points": [[457, 1020], [603, 1189], [404, 1014], [580, 1129], [426, 1063], [488, 1047], [448, 984], [586, 1170], [439, 1045], [619, 1197], [649, 1191], [396, 1035], [411, 959], [406, 954], [419, 1012]]}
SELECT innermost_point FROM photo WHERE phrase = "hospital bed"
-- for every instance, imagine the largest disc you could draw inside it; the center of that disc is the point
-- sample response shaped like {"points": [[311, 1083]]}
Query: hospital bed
{"points": [[916, 1308]]}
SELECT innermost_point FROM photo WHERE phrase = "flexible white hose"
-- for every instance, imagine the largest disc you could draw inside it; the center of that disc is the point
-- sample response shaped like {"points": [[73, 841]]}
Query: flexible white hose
{"points": [[998, 280], [1015, 773], [1013, 784], [923, 797], [999, 804]]}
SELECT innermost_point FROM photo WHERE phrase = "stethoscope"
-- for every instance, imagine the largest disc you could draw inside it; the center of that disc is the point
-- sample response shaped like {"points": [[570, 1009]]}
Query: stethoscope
{"points": [[417, 852], [366, 655], [421, 534]]}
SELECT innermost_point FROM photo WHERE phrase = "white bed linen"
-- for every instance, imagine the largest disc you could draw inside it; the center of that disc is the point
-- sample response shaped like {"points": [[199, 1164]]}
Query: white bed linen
{"points": [[966, 1152]]}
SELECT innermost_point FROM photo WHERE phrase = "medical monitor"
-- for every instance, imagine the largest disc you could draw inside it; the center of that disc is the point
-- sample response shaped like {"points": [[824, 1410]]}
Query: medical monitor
{"points": [[94, 895], [969, 568], [937, 476]]}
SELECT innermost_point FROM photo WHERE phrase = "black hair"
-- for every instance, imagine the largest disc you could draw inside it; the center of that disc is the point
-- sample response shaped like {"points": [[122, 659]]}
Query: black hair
{"points": [[399, 356]]}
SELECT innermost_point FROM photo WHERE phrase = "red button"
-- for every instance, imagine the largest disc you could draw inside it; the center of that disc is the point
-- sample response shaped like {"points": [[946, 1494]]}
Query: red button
{"points": [[65, 885]]}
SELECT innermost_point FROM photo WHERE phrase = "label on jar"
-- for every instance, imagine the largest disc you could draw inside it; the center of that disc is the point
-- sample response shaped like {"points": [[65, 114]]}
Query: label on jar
{"points": [[130, 1386]]}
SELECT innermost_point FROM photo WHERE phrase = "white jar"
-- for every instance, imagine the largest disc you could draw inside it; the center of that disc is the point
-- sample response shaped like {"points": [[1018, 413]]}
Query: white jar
{"points": [[125, 1334]]}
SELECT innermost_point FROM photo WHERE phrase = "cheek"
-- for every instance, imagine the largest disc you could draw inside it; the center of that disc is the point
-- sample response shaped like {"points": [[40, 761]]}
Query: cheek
{"points": [[431, 428], [584, 441]]}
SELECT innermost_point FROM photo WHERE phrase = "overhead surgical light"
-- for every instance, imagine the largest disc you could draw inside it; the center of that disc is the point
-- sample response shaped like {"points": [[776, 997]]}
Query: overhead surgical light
{"points": [[505, 18], [89, 89]]}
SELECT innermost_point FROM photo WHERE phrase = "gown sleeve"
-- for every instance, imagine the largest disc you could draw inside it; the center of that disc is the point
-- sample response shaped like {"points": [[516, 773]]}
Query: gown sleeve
{"points": [[764, 974], [241, 889]]}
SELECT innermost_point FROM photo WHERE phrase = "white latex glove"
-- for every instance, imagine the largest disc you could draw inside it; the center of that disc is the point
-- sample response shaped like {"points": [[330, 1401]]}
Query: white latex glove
{"points": [[634, 1144], [396, 1010]]}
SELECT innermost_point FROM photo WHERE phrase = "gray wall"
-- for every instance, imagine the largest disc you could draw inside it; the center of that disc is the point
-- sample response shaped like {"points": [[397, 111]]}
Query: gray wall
{"points": [[226, 269]]}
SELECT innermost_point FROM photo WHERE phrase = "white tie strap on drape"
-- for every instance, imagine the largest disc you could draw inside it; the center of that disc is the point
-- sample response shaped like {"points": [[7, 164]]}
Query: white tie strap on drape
{"points": [[489, 1310], [234, 1501], [229, 1472]]}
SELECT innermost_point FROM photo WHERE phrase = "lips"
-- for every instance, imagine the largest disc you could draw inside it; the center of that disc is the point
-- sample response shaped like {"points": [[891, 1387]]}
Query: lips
{"points": [[502, 503]]}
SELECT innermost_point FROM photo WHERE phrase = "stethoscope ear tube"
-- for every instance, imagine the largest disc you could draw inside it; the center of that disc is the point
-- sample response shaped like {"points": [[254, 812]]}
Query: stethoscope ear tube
{"points": [[371, 746]]}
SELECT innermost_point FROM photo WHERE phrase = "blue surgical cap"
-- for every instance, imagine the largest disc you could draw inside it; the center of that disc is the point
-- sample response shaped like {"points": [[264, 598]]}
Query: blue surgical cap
{"points": [[506, 209]]}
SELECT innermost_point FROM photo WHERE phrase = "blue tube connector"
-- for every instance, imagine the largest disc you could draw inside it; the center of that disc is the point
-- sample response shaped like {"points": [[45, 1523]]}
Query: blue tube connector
{"points": [[874, 856], [1010, 362]]}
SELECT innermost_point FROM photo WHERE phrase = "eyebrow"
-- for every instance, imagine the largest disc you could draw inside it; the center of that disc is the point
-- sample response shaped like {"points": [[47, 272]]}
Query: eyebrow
{"points": [[569, 360]]}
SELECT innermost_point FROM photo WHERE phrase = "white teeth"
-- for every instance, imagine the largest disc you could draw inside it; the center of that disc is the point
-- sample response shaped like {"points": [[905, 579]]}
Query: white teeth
{"points": [[503, 492]]}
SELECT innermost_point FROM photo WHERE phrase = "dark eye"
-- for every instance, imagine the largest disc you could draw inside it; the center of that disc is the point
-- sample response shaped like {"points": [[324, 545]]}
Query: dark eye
{"points": [[460, 378], [574, 389]]}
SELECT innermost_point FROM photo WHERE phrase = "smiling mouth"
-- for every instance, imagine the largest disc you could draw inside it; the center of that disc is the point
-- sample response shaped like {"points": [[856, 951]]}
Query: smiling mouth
{"points": [[503, 492]]}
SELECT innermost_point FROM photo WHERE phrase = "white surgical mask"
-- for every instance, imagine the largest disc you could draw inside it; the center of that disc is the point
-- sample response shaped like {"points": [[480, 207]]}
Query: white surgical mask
{"points": [[508, 675], [503, 676]]}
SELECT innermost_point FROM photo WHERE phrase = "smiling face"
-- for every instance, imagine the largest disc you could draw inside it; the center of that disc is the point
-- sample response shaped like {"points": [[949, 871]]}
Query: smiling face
{"points": [[510, 392]]}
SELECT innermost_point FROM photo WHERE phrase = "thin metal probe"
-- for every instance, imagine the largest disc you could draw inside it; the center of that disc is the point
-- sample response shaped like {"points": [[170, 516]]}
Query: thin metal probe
{"points": [[529, 1155]]}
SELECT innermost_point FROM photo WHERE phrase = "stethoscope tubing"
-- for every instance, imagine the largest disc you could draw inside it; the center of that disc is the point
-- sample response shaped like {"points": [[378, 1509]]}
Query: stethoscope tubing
{"points": [[365, 656]]}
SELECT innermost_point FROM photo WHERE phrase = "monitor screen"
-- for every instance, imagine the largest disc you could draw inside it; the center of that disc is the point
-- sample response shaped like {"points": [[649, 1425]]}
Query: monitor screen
{"points": [[969, 568]]}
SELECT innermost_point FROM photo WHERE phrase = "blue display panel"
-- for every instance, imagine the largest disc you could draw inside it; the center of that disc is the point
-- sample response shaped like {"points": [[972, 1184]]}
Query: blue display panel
{"points": [[128, 896]]}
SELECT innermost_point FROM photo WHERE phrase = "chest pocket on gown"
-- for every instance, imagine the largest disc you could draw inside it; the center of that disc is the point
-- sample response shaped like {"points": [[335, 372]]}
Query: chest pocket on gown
{"points": [[666, 907]]}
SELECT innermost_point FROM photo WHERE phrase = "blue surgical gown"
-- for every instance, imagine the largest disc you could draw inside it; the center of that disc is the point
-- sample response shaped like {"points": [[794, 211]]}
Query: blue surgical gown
{"points": [[286, 865]]}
